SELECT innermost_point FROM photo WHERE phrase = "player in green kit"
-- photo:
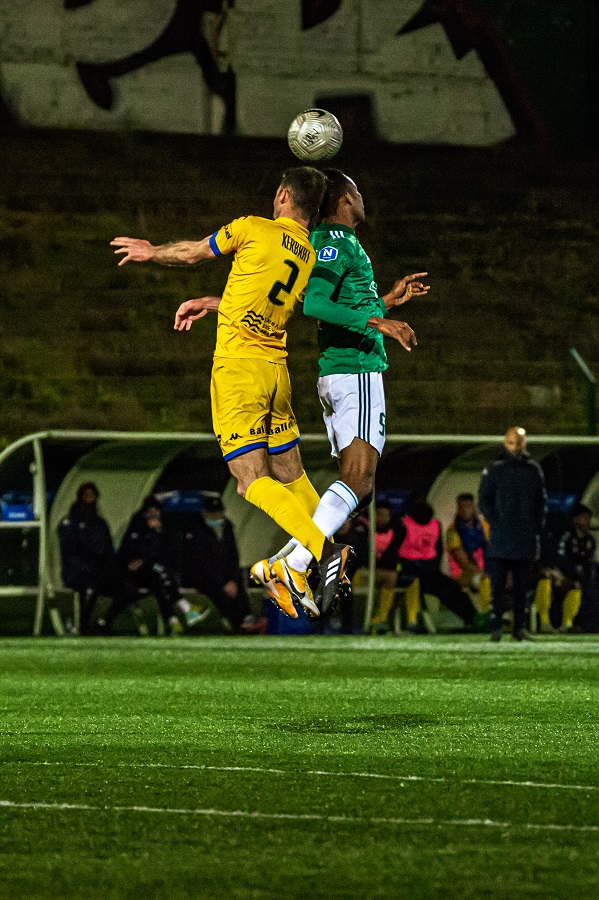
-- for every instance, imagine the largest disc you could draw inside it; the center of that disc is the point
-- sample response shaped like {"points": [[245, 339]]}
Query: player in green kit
{"points": [[343, 295]]}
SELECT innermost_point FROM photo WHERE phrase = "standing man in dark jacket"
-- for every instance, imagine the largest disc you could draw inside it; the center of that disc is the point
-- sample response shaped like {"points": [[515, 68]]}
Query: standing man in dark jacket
{"points": [[512, 499]]}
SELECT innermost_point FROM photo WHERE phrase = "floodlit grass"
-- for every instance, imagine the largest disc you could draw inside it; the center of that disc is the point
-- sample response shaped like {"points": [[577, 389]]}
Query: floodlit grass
{"points": [[299, 767]]}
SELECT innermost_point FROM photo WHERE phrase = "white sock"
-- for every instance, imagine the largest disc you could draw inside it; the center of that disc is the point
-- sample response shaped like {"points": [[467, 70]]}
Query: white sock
{"points": [[284, 551], [335, 506]]}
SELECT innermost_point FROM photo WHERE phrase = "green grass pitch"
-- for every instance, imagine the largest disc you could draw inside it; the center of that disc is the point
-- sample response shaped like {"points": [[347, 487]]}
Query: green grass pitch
{"points": [[299, 767]]}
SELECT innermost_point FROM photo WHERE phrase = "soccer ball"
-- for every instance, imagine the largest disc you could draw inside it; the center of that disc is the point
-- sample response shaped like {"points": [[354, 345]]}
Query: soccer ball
{"points": [[315, 134]]}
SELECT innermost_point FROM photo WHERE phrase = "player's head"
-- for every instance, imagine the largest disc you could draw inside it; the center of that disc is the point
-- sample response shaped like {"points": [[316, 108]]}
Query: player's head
{"points": [[214, 511], [582, 517], [515, 441], [420, 510], [383, 514], [342, 199], [87, 494], [465, 507], [151, 511], [302, 189]]}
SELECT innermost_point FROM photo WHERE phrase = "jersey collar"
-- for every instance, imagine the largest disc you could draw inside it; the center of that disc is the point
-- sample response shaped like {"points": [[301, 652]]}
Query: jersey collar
{"points": [[291, 223], [333, 226]]}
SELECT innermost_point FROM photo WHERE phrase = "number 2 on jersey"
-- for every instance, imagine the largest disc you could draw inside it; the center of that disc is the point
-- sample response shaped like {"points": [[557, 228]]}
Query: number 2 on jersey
{"points": [[285, 286]]}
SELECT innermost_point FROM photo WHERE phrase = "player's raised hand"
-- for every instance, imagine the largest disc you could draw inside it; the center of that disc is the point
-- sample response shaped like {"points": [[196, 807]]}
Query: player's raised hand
{"points": [[399, 331], [187, 314], [194, 309], [135, 249], [406, 288]]}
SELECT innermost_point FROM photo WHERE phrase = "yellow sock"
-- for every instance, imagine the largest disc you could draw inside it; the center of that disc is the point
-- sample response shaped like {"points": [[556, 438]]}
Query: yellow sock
{"points": [[543, 600], [484, 594], [386, 599], [572, 602], [360, 578], [304, 491], [412, 602], [279, 503]]}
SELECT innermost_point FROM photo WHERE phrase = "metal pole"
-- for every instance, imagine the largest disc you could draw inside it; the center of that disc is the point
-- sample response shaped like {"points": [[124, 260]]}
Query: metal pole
{"points": [[40, 511], [591, 391], [371, 563]]}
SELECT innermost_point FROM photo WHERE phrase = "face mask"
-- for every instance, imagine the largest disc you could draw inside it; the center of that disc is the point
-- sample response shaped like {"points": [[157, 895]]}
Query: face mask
{"points": [[215, 523]]}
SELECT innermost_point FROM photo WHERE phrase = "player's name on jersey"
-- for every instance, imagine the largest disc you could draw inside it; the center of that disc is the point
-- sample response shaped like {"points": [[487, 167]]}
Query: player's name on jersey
{"points": [[296, 248]]}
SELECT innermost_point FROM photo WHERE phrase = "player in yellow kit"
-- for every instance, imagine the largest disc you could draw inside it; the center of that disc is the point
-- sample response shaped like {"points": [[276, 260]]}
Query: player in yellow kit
{"points": [[251, 396], [272, 262]]}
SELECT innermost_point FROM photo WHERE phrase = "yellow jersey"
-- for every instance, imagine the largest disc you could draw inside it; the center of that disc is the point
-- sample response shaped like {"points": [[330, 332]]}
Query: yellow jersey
{"points": [[272, 264]]}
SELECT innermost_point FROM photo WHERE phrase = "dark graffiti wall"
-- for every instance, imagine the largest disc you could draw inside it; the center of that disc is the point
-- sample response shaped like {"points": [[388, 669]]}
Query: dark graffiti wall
{"points": [[470, 72]]}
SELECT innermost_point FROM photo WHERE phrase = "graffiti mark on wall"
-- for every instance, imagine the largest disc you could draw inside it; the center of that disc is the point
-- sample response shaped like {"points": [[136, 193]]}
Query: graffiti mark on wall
{"points": [[184, 33], [62, 65], [76, 4], [469, 28], [7, 120], [315, 12]]}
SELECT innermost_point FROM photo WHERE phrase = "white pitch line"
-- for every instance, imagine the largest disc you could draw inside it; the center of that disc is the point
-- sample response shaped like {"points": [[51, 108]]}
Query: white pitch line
{"points": [[328, 645], [441, 780], [302, 817], [316, 772]]}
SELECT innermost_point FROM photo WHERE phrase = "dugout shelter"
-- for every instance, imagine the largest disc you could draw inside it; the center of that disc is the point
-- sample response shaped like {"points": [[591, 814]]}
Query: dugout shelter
{"points": [[40, 473]]}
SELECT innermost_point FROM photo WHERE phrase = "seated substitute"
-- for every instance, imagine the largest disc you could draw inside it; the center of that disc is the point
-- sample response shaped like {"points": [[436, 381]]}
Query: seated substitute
{"points": [[466, 543], [389, 572], [144, 558], [211, 566], [89, 563], [420, 552], [563, 585]]}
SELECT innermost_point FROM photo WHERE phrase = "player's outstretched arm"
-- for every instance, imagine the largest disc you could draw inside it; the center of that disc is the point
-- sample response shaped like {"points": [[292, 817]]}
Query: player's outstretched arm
{"points": [[191, 310], [399, 331], [406, 288], [319, 305], [179, 253]]}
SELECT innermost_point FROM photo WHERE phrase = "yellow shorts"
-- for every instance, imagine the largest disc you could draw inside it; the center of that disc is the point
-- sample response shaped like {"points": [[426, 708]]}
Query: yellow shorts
{"points": [[251, 406]]}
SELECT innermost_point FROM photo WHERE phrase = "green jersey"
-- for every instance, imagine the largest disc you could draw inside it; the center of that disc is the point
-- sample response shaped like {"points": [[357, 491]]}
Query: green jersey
{"points": [[343, 295]]}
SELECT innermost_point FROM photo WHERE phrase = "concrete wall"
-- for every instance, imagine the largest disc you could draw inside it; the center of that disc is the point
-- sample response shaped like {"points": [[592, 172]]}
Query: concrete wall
{"points": [[508, 242], [419, 90]]}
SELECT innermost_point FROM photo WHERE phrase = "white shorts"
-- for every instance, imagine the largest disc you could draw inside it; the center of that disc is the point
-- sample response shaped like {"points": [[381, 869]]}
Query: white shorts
{"points": [[353, 406]]}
